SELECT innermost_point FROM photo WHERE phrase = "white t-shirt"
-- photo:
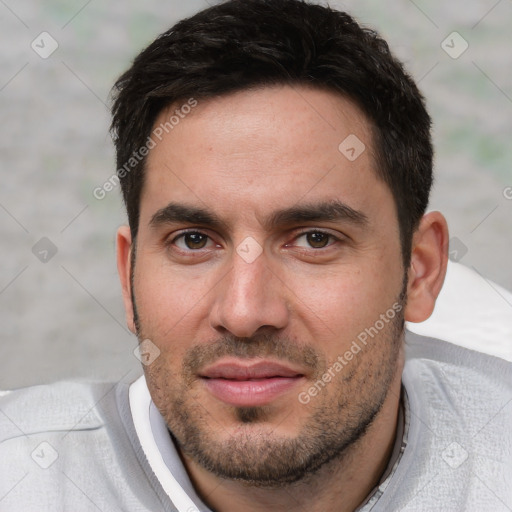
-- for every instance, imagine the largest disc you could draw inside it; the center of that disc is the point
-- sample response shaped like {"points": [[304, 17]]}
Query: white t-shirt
{"points": [[104, 446]]}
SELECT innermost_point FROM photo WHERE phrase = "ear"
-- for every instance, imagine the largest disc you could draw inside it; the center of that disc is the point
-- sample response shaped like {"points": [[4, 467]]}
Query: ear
{"points": [[124, 249], [429, 259]]}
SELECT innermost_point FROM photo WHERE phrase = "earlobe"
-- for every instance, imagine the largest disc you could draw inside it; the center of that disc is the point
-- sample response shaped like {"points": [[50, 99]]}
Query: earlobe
{"points": [[124, 248], [429, 259]]}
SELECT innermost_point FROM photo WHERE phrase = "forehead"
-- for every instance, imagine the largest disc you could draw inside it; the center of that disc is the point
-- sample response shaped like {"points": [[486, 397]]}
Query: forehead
{"points": [[246, 154]]}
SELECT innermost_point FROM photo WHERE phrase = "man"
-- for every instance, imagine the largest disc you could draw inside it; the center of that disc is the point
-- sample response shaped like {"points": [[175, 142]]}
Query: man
{"points": [[276, 163]]}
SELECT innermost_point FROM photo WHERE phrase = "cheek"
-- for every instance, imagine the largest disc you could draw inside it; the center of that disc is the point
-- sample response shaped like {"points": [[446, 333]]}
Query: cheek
{"points": [[338, 306], [164, 296]]}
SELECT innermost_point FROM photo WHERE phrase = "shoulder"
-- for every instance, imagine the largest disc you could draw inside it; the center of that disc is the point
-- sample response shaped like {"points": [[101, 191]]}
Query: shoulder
{"points": [[463, 396], [60, 406], [458, 412], [63, 446], [465, 382], [451, 359]]}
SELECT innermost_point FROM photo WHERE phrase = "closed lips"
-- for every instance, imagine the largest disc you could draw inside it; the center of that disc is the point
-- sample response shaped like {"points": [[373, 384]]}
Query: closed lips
{"points": [[240, 383], [260, 370]]}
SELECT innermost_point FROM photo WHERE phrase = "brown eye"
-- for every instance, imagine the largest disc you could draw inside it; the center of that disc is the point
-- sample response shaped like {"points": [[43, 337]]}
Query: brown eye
{"points": [[192, 240], [195, 240], [317, 239]]}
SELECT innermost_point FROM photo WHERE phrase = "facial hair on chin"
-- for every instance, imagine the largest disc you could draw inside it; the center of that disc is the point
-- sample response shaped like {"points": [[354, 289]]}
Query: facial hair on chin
{"points": [[260, 457]]}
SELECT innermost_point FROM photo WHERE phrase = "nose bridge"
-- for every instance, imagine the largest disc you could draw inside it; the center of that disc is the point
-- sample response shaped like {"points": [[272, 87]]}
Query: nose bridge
{"points": [[250, 296]]}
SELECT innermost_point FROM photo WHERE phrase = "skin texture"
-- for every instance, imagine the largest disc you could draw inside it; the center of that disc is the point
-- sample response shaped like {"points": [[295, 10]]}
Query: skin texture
{"points": [[302, 301]]}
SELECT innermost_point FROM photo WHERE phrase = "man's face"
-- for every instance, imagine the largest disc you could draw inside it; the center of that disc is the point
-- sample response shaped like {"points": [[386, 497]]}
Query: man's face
{"points": [[255, 315]]}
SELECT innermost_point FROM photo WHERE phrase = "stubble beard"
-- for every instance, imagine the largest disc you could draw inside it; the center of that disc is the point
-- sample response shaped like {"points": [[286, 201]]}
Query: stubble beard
{"points": [[253, 453]]}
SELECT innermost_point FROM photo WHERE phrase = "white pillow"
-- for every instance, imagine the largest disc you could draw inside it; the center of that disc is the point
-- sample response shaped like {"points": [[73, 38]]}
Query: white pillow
{"points": [[471, 311]]}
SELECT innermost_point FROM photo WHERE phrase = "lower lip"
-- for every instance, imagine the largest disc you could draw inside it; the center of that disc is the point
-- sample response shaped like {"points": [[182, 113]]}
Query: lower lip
{"points": [[250, 393]]}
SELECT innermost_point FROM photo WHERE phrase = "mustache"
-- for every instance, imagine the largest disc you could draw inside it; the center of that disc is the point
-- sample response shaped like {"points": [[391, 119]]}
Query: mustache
{"points": [[262, 346]]}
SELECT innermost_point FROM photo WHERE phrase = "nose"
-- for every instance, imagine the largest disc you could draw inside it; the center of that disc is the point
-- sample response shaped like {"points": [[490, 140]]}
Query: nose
{"points": [[250, 297]]}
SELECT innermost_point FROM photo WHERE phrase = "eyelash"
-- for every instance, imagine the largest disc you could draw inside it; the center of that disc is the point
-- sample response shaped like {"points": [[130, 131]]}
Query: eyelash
{"points": [[302, 233]]}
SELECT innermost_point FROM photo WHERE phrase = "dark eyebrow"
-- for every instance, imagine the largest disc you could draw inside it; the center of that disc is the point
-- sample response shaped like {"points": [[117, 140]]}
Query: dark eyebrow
{"points": [[182, 213], [327, 211]]}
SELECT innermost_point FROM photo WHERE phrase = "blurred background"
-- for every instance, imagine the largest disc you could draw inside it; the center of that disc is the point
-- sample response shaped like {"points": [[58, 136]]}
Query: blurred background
{"points": [[60, 302]]}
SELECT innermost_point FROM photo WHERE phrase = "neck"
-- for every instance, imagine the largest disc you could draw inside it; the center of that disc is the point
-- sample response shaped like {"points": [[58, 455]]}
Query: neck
{"points": [[339, 486]]}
